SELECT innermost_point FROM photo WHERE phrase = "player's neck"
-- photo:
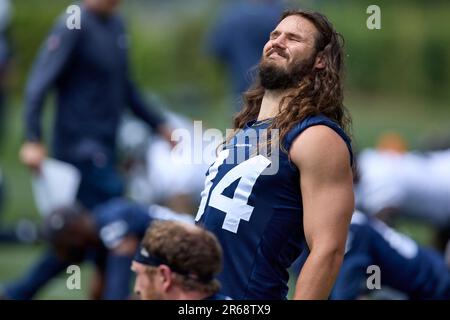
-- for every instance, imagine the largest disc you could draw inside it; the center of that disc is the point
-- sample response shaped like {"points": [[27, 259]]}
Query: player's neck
{"points": [[270, 105], [188, 295]]}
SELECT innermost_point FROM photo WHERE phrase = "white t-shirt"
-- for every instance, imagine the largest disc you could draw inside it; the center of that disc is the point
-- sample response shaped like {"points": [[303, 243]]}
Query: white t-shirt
{"points": [[417, 184]]}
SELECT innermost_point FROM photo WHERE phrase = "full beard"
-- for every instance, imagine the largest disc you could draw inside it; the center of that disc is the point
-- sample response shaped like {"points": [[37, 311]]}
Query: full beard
{"points": [[273, 77]]}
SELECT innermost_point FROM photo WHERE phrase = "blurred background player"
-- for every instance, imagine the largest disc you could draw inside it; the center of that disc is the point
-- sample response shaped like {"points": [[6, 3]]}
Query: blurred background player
{"points": [[238, 36], [177, 261], [413, 270], [114, 229], [394, 182], [89, 70], [156, 173]]}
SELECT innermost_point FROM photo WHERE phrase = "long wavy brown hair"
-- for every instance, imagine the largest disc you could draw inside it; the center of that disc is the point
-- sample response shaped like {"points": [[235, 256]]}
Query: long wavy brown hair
{"points": [[319, 92]]}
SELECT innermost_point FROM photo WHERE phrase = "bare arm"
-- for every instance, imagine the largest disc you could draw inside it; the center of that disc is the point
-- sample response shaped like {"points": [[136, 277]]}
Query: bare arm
{"points": [[326, 182]]}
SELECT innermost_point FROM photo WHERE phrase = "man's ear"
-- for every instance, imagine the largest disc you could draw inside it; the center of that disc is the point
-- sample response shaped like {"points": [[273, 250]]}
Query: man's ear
{"points": [[320, 61], [165, 275]]}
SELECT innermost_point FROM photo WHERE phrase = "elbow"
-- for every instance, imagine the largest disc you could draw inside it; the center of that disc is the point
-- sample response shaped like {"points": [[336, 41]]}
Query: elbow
{"points": [[331, 256]]}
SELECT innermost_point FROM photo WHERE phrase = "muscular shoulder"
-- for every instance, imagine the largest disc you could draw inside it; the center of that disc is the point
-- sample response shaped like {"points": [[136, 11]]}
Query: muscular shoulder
{"points": [[320, 147]]}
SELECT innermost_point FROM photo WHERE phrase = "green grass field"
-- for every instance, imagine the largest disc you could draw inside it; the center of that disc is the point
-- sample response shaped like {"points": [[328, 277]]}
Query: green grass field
{"points": [[15, 259]]}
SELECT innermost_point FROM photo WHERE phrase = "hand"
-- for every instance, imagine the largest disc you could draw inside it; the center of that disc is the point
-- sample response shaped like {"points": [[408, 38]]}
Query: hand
{"points": [[32, 154], [166, 133]]}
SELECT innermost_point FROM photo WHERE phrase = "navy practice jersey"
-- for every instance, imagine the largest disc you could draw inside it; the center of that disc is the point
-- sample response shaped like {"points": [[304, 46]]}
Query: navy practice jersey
{"points": [[419, 272], [252, 203], [119, 218]]}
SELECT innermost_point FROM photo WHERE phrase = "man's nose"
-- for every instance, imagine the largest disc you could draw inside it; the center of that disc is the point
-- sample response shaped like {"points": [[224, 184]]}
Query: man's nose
{"points": [[280, 41]]}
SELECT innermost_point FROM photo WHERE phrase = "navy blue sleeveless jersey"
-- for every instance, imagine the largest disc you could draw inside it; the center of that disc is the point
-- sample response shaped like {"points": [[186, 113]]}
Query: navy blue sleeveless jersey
{"points": [[252, 203], [418, 272]]}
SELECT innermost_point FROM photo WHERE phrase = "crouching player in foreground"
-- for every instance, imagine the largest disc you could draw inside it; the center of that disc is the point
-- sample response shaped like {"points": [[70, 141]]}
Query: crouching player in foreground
{"points": [[178, 261], [263, 204], [418, 272], [111, 235]]}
